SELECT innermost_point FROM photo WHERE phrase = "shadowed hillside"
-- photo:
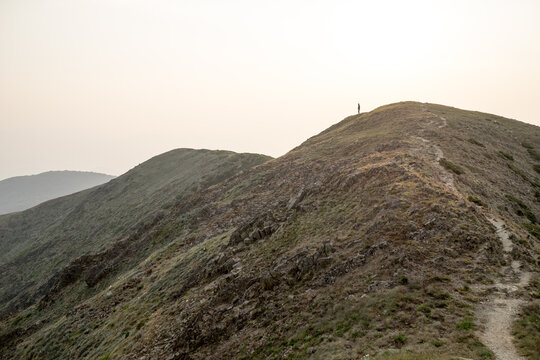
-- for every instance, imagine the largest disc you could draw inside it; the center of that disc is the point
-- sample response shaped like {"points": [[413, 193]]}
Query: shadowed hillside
{"points": [[399, 233], [38, 242], [23, 192]]}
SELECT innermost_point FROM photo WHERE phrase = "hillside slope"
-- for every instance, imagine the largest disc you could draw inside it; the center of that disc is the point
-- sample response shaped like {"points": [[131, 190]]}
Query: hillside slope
{"points": [[411, 228], [38, 242], [22, 192]]}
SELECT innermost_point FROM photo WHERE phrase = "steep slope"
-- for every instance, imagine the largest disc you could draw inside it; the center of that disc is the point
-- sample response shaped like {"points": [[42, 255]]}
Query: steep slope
{"points": [[37, 242], [374, 237], [22, 192]]}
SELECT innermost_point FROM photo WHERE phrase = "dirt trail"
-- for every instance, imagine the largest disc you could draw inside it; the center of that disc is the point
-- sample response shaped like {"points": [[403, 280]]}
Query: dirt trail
{"points": [[433, 151], [499, 311]]}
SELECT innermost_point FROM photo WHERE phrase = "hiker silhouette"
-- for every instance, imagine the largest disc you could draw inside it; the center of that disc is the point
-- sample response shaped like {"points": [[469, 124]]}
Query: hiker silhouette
{"points": [[359, 108]]}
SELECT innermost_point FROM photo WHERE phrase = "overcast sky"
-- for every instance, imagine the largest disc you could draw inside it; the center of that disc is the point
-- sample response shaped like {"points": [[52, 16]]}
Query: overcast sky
{"points": [[102, 85]]}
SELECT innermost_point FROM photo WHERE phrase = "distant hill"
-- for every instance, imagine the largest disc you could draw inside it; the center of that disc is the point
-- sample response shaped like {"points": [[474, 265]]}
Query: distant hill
{"points": [[23, 192]]}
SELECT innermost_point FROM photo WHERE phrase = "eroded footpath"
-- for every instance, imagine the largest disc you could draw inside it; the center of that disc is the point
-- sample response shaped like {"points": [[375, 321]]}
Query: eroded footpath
{"points": [[499, 311]]}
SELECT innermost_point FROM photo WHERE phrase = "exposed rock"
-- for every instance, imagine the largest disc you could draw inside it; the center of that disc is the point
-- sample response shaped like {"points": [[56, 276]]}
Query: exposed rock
{"points": [[293, 203]]}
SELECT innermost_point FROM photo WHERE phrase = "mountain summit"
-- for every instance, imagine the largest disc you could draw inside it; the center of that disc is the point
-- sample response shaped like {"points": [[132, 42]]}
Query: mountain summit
{"points": [[409, 232]]}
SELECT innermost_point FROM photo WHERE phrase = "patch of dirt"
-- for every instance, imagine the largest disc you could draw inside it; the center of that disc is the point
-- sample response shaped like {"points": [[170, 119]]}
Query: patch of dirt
{"points": [[500, 310], [434, 152]]}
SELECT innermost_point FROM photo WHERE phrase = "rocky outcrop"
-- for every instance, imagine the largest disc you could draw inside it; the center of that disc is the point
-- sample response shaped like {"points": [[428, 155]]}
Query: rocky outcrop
{"points": [[257, 228]]}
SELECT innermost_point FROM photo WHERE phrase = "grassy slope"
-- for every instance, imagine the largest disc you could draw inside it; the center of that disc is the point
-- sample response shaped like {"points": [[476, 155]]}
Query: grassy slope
{"points": [[54, 233], [374, 254]]}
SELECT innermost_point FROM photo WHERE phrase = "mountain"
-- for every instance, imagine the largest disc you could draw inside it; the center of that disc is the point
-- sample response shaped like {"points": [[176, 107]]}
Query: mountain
{"points": [[23, 192], [409, 232], [40, 240]]}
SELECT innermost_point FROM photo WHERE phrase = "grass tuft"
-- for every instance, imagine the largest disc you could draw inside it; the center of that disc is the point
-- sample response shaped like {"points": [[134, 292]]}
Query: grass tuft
{"points": [[451, 166], [523, 209], [476, 142], [534, 154], [533, 229], [527, 145], [400, 339], [506, 156], [465, 325], [476, 200], [436, 343]]}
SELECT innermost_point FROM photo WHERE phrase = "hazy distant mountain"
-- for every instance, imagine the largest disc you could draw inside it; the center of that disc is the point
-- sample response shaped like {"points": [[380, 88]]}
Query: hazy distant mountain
{"points": [[23, 192]]}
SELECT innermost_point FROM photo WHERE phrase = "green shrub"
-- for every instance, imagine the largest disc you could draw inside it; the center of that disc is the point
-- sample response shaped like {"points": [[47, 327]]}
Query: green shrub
{"points": [[530, 215], [465, 325], [451, 166], [524, 209], [437, 292], [521, 173], [486, 354], [520, 203], [533, 229], [436, 343], [506, 155], [400, 339], [475, 142], [536, 168], [476, 200], [527, 145], [534, 154]]}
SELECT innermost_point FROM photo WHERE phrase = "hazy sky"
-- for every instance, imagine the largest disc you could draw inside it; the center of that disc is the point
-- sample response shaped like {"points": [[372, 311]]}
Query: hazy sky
{"points": [[102, 85]]}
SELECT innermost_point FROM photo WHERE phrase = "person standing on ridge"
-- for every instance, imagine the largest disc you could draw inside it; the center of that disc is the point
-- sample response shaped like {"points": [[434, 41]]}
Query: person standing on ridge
{"points": [[359, 108]]}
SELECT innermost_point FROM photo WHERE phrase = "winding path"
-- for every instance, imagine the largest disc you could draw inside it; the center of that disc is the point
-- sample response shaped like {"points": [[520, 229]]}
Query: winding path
{"points": [[434, 152], [500, 309]]}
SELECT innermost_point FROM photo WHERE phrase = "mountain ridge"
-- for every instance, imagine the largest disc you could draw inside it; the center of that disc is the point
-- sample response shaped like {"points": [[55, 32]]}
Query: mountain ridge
{"points": [[371, 238]]}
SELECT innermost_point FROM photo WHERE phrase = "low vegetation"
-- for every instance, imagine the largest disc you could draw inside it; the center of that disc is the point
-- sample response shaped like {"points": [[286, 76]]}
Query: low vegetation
{"points": [[506, 155], [465, 325], [476, 200], [533, 229], [451, 166], [527, 331], [527, 145], [534, 154], [522, 209], [475, 142], [522, 175]]}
